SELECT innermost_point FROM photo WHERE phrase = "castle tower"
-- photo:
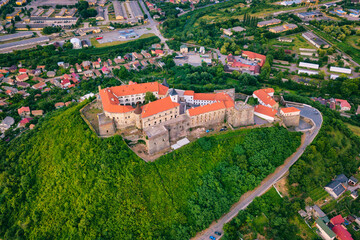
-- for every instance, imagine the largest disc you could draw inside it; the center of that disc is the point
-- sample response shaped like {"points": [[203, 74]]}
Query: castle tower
{"points": [[137, 113], [174, 95]]}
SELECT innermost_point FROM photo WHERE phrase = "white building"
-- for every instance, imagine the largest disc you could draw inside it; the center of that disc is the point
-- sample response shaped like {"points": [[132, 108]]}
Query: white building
{"points": [[289, 111], [340, 70], [76, 43], [309, 65], [300, 71]]}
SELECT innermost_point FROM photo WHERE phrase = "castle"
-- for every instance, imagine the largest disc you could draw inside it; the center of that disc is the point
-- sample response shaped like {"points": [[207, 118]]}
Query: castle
{"points": [[171, 116]]}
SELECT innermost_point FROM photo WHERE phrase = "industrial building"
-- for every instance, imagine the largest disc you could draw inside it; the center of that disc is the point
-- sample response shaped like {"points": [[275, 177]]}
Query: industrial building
{"points": [[315, 40], [289, 3], [49, 12], [283, 28], [309, 65], [13, 45], [16, 36], [269, 22], [61, 13], [53, 21], [340, 70], [127, 34], [134, 10], [101, 14], [12, 15], [38, 12], [309, 15], [76, 43], [3, 2], [119, 10]]}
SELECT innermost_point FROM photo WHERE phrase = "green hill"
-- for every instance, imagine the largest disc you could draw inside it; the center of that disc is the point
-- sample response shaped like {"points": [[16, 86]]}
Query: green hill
{"points": [[61, 181]]}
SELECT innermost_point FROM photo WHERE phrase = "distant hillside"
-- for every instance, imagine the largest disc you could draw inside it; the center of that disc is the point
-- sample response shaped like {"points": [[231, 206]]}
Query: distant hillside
{"points": [[62, 182]]}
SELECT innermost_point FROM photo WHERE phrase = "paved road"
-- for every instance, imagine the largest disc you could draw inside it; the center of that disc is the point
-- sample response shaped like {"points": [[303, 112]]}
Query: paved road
{"points": [[306, 111]]}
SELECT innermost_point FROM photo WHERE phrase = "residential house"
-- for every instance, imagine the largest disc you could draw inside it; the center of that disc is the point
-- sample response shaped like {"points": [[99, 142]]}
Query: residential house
{"points": [[338, 186], [24, 121], [78, 68], [352, 181], [105, 70], [23, 71], [158, 52], [59, 105], [24, 111], [65, 83], [37, 112], [86, 65], [337, 226], [22, 77], [97, 73], [6, 124], [119, 60], [23, 84], [128, 57], [96, 64], [39, 85], [137, 55], [325, 232], [344, 105], [88, 73], [264, 97]]}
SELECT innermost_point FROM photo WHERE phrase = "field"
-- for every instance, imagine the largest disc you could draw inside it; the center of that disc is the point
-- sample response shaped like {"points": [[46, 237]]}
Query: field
{"points": [[353, 128], [318, 194], [115, 43], [298, 42]]}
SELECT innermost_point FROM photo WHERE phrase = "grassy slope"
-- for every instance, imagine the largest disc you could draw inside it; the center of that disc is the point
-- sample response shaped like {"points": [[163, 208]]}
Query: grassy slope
{"points": [[67, 183]]}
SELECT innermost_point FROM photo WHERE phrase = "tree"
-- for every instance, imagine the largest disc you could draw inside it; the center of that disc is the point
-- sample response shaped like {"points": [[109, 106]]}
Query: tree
{"points": [[149, 97]]}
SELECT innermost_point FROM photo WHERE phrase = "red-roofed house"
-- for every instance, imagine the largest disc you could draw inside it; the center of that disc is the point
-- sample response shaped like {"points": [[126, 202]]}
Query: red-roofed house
{"points": [[105, 70], [22, 77], [344, 105], [158, 52], [22, 71], [265, 99], [337, 220], [96, 65], [264, 112], [254, 57], [65, 83], [24, 111], [24, 121], [339, 229], [39, 85]]}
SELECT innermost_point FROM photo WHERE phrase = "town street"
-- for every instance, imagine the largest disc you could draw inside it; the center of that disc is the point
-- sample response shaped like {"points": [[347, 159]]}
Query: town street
{"points": [[306, 111]]}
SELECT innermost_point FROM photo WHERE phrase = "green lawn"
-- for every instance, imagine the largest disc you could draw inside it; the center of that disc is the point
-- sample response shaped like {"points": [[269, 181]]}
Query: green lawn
{"points": [[96, 44], [353, 128], [318, 193], [305, 231], [298, 42]]}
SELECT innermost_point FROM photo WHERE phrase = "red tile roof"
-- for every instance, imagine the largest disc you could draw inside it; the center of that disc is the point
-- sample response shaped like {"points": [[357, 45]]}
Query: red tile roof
{"points": [[337, 220], [139, 88], [253, 55], [264, 97], [22, 70], [269, 90], [265, 110], [341, 232], [25, 120], [207, 108], [189, 93], [22, 77], [290, 109], [23, 109], [111, 102], [343, 103], [158, 106], [39, 85]]}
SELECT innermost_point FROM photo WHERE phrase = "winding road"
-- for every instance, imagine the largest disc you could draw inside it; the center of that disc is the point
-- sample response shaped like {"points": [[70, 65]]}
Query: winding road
{"points": [[246, 199]]}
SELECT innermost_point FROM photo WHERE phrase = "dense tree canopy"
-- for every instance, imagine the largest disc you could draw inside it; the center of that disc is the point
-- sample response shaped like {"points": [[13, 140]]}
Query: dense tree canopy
{"points": [[62, 181]]}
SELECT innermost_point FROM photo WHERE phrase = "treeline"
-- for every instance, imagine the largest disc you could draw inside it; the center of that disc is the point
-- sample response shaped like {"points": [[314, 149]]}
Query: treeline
{"points": [[62, 181], [50, 56]]}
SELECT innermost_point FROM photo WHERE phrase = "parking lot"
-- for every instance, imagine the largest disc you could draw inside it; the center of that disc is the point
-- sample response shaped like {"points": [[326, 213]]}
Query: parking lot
{"points": [[115, 36]]}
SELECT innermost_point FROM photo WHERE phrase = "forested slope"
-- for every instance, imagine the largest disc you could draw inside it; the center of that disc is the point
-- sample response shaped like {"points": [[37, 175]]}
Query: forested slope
{"points": [[62, 182]]}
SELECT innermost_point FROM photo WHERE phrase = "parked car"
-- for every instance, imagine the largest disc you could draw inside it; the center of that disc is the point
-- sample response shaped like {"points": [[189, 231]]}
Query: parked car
{"points": [[218, 233], [209, 130], [212, 238]]}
